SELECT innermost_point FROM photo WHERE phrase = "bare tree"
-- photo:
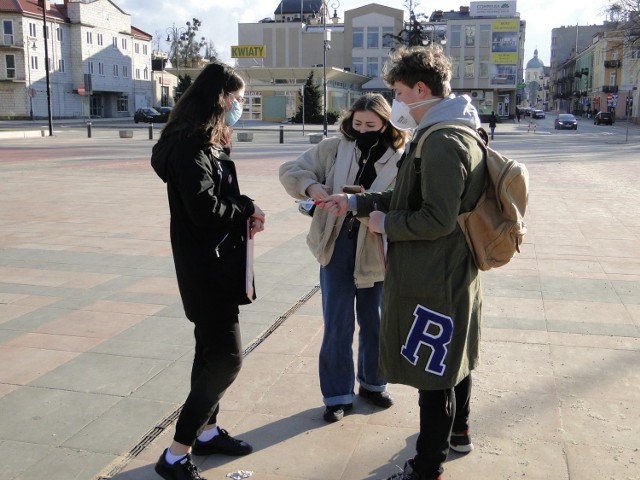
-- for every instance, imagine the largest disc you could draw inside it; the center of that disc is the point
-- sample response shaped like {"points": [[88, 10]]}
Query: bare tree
{"points": [[191, 46], [626, 14], [210, 52], [184, 49], [413, 32]]}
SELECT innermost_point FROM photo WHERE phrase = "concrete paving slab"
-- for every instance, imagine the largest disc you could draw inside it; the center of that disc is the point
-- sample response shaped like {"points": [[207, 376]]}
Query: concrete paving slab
{"points": [[124, 424], [102, 374], [45, 416], [63, 464]]}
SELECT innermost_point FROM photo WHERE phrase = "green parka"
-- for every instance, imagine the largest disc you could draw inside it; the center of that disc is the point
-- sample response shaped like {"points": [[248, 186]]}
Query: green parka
{"points": [[431, 305]]}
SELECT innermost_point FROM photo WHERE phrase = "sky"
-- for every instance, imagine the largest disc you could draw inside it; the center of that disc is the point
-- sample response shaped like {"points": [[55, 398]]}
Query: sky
{"points": [[220, 18]]}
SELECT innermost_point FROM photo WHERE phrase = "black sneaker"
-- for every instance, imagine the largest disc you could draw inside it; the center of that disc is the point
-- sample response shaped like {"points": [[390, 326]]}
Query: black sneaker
{"points": [[222, 443], [461, 442], [381, 399], [334, 413], [181, 470], [408, 473]]}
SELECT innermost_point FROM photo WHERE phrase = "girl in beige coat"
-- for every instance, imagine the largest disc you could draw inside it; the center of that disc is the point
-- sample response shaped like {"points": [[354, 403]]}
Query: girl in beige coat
{"points": [[351, 258]]}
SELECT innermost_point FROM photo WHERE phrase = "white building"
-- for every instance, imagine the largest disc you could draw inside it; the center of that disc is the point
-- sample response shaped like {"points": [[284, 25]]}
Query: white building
{"points": [[99, 64]]}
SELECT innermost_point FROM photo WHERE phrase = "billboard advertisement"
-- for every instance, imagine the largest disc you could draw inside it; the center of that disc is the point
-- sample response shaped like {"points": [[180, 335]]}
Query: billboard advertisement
{"points": [[493, 9], [505, 40]]}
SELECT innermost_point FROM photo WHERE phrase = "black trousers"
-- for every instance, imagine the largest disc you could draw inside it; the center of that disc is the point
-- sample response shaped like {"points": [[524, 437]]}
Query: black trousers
{"points": [[441, 411], [216, 364]]}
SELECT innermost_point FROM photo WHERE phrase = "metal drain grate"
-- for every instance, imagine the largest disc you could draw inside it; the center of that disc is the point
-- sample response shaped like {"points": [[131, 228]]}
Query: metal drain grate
{"points": [[280, 321], [154, 433]]}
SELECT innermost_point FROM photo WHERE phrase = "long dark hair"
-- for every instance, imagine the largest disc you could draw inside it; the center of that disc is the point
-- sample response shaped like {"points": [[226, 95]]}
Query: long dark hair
{"points": [[376, 103], [200, 110]]}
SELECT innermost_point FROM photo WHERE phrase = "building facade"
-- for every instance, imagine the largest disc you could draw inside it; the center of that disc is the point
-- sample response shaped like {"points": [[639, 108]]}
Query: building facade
{"points": [[484, 41], [536, 78], [99, 65], [604, 76], [304, 38], [566, 42]]}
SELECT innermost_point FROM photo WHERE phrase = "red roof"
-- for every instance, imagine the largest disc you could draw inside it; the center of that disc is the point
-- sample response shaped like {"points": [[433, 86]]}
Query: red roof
{"points": [[32, 7], [58, 11]]}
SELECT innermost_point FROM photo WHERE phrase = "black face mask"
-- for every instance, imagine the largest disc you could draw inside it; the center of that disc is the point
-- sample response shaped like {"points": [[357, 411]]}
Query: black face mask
{"points": [[366, 140]]}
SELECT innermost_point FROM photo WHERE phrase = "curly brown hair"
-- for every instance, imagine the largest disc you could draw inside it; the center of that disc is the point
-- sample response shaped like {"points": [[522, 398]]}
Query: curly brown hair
{"points": [[416, 64], [376, 103]]}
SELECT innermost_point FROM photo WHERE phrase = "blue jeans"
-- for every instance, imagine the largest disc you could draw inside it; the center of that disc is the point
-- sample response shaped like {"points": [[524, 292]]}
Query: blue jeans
{"points": [[337, 376]]}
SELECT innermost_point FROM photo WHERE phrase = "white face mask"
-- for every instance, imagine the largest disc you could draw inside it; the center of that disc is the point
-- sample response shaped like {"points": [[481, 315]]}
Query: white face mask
{"points": [[401, 117]]}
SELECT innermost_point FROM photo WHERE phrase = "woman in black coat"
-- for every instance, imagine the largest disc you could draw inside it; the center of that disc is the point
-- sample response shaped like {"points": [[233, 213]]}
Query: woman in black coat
{"points": [[210, 223]]}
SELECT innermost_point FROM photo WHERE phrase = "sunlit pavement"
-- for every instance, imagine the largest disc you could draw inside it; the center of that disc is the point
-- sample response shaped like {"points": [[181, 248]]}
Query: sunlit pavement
{"points": [[95, 350]]}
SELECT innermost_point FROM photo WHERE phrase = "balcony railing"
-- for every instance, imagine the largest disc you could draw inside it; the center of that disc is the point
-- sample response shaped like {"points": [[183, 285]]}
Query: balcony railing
{"points": [[610, 89], [612, 64]]}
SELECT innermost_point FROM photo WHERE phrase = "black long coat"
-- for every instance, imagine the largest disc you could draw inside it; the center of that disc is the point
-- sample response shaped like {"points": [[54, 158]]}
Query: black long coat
{"points": [[208, 222]]}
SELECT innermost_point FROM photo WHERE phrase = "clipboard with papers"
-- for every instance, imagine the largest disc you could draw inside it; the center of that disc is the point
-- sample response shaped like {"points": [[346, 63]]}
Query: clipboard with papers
{"points": [[249, 276]]}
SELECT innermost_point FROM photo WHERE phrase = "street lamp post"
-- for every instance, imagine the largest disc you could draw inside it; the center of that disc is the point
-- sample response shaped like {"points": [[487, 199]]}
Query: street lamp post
{"points": [[30, 91], [326, 46], [46, 66], [176, 35]]}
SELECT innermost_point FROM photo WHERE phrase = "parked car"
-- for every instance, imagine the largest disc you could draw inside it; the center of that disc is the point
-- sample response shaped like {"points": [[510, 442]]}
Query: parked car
{"points": [[565, 121], [164, 112], [603, 117], [526, 111], [147, 115], [538, 114]]}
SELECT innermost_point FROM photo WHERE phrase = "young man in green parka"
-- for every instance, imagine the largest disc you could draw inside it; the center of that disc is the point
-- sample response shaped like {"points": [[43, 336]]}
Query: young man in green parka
{"points": [[431, 304]]}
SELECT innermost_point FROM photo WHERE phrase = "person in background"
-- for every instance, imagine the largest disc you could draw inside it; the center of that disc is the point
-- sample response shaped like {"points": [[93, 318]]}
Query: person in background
{"points": [[432, 298], [209, 223], [493, 121], [351, 258]]}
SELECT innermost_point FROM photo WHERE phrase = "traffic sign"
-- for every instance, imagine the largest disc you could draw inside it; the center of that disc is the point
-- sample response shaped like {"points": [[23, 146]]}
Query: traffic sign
{"points": [[609, 97], [81, 90]]}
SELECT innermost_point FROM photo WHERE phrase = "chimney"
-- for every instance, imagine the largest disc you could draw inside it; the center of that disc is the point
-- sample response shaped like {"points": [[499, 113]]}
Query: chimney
{"points": [[44, 4]]}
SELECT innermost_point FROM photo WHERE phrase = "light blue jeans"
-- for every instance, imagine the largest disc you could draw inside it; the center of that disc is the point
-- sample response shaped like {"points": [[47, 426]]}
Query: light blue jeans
{"points": [[337, 376]]}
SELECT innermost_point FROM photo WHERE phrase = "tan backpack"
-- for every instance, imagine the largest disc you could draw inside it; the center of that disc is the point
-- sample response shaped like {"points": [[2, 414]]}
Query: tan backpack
{"points": [[495, 228]]}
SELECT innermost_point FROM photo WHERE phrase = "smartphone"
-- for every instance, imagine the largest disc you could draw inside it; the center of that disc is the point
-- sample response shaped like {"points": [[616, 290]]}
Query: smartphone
{"points": [[352, 189]]}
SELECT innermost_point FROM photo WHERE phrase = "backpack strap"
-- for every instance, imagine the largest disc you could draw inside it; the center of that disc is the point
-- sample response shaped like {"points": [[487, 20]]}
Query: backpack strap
{"points": [[451, 125], [459, 126]]}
